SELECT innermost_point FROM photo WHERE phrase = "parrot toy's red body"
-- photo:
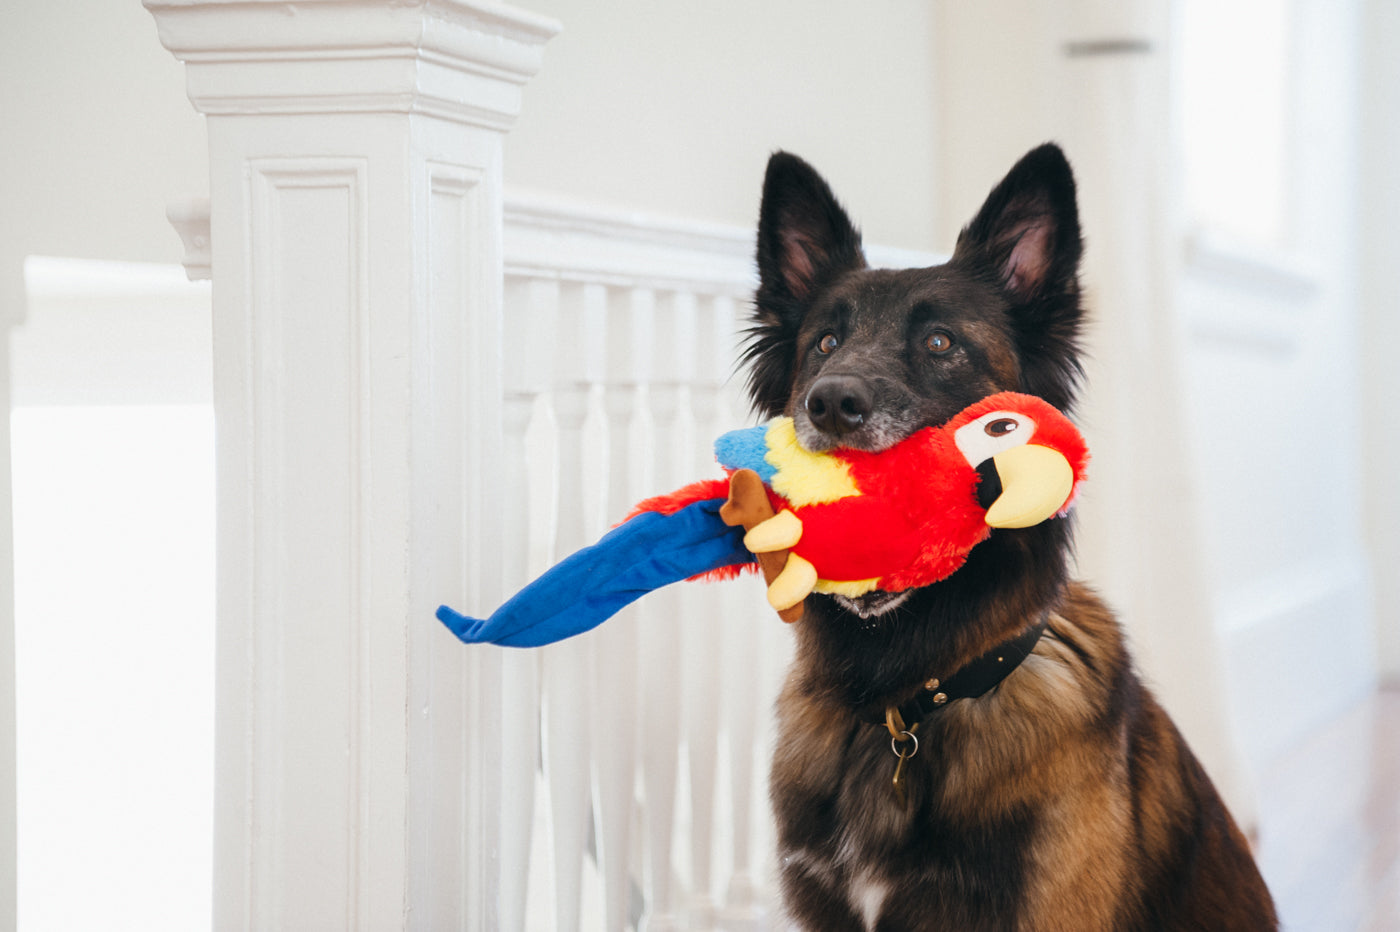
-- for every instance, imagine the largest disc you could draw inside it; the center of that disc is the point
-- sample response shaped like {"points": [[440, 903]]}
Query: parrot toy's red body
{"points": [[850, 522], [905, 516]]}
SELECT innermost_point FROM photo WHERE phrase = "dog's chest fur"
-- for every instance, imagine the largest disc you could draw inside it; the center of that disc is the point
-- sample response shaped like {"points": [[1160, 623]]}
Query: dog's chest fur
{"points": [[993, 799]]}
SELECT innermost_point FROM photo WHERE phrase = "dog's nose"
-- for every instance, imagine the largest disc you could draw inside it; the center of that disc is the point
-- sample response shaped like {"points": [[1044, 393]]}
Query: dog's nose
{"points": [[839, 404]]}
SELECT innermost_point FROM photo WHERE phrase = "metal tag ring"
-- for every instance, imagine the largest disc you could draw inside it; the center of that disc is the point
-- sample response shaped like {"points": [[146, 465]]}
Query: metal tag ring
{"points": [[904, 738]]}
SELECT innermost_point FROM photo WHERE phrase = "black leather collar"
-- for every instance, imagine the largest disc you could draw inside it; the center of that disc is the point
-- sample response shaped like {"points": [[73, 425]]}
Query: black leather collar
{"points": [[976, 679]]}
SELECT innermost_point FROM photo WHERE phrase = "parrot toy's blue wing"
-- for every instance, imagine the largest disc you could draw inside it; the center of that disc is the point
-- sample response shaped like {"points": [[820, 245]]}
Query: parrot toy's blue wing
{"points": [[582, 591]]}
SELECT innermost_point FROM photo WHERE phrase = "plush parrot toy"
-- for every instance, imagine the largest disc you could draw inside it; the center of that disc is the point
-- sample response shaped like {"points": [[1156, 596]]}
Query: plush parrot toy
{"points": [[844, 521]]}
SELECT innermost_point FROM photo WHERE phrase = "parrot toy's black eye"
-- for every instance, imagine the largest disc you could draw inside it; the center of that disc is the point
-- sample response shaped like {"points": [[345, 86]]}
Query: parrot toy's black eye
{"points": [[938, 342], [827, 344], [993, 433]]}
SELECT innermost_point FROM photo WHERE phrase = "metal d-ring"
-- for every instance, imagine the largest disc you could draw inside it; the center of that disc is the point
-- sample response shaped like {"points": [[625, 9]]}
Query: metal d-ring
{"points": [[903, 738]]}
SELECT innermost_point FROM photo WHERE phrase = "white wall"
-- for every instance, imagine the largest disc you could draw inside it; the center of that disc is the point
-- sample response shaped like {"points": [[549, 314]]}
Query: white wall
{"points": [[673, 108], [661, 108], [1267, 344], [1275, 346], [96, 134]]}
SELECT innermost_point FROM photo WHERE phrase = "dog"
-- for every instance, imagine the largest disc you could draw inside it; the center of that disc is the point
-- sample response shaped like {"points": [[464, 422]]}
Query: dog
{"points": [[920, 780]]}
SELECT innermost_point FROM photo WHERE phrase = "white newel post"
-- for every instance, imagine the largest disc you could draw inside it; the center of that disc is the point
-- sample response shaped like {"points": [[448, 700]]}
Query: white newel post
{"points": [[355, 189]]}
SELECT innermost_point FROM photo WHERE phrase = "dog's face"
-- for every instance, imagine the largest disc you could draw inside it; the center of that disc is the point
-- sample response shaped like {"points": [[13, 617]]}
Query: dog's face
{"points": [[864, 357]]}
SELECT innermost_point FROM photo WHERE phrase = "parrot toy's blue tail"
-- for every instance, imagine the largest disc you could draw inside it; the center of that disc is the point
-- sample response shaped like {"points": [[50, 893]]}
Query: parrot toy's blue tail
{"points": [[579, 593]]}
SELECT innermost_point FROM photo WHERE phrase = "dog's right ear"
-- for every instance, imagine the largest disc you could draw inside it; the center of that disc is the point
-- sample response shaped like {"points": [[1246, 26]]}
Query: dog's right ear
{"points": [[805, 240], [804, 237], [1026, 238], [1027, 232]]}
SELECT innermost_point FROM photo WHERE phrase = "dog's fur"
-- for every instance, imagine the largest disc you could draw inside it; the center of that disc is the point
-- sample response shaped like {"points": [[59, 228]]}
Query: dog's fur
{"points": [[1064, 798]]}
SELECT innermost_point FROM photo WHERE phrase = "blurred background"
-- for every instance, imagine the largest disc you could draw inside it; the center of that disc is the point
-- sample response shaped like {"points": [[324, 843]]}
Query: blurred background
{"points": [[1239, 197]]}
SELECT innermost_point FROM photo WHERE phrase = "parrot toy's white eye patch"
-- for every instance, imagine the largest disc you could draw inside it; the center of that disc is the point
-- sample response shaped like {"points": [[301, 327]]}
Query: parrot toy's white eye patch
{"points": [[992, 433]]}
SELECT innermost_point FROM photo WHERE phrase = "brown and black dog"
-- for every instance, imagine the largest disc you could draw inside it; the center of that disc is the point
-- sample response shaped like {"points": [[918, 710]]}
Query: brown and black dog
{"points": [[1059, 797]]}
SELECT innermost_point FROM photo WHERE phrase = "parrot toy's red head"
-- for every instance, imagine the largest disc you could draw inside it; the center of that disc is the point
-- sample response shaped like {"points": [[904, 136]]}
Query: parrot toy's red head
{"points": [[1028, 456]]}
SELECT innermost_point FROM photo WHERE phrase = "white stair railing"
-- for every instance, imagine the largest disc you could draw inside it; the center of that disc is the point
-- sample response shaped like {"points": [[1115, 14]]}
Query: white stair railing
{"points": [[668, 703], [645, 320], [619, 343], [425, 392]]}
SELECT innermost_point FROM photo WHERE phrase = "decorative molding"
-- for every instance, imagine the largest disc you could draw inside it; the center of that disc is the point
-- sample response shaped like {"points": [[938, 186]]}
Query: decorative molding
{"points": [[59, 278], [1298, 647], [1288, 588], [190, 218], [1271, 338], [308, 228], [550, 237], [459, 60], [898, 257], [106, 332], [553, 237], [1255, 296], [1276, 272]]}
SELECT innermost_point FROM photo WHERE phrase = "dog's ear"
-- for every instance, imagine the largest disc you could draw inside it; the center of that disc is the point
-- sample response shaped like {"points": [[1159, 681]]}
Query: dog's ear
{"points": [[805, 240], [1026, 237], [804, 237], [1027, 232]]}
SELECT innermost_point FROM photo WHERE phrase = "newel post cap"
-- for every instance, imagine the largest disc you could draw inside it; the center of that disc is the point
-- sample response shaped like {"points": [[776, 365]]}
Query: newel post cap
{"points": [[463, 60]]}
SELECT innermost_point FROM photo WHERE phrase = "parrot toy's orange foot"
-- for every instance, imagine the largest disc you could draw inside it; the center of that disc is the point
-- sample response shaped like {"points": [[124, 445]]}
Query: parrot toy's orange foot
{"points": [[780, 532], [793, 584], [748, 507]]}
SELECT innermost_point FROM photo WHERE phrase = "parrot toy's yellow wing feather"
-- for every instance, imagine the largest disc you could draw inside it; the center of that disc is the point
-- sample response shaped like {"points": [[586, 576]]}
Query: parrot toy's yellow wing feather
{"points": [[802, 477]]}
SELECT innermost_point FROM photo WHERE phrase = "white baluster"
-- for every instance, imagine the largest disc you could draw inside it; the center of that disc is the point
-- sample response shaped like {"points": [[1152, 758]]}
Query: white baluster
{"points": [[703, 623], [745, 702], [520, 686], [747, 626], [714, 708], [775, 643], [566, 679], [527, 301], [613, 687], [568, 665], [629, 313], [741, 707], [659, 642]]}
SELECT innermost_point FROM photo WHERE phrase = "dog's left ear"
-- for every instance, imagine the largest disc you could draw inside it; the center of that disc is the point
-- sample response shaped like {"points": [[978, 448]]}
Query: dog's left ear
{"points": [[1027, 232]]}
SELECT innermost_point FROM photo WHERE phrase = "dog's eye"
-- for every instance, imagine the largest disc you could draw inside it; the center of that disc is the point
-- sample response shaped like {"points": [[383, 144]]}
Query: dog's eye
{"points": [[827, 344], [940, 341]]}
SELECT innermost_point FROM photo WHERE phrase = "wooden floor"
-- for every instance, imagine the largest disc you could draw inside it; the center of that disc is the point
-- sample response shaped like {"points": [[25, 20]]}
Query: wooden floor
{"points": [[1329, 824]]}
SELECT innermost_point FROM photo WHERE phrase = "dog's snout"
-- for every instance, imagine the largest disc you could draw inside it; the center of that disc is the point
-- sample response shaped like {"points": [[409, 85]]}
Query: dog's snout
{"points": [[839, 404]]}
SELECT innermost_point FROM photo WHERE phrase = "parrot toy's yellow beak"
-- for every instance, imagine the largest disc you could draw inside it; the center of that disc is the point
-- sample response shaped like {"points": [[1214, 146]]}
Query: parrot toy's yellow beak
{"points": [[1036, 482]]}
